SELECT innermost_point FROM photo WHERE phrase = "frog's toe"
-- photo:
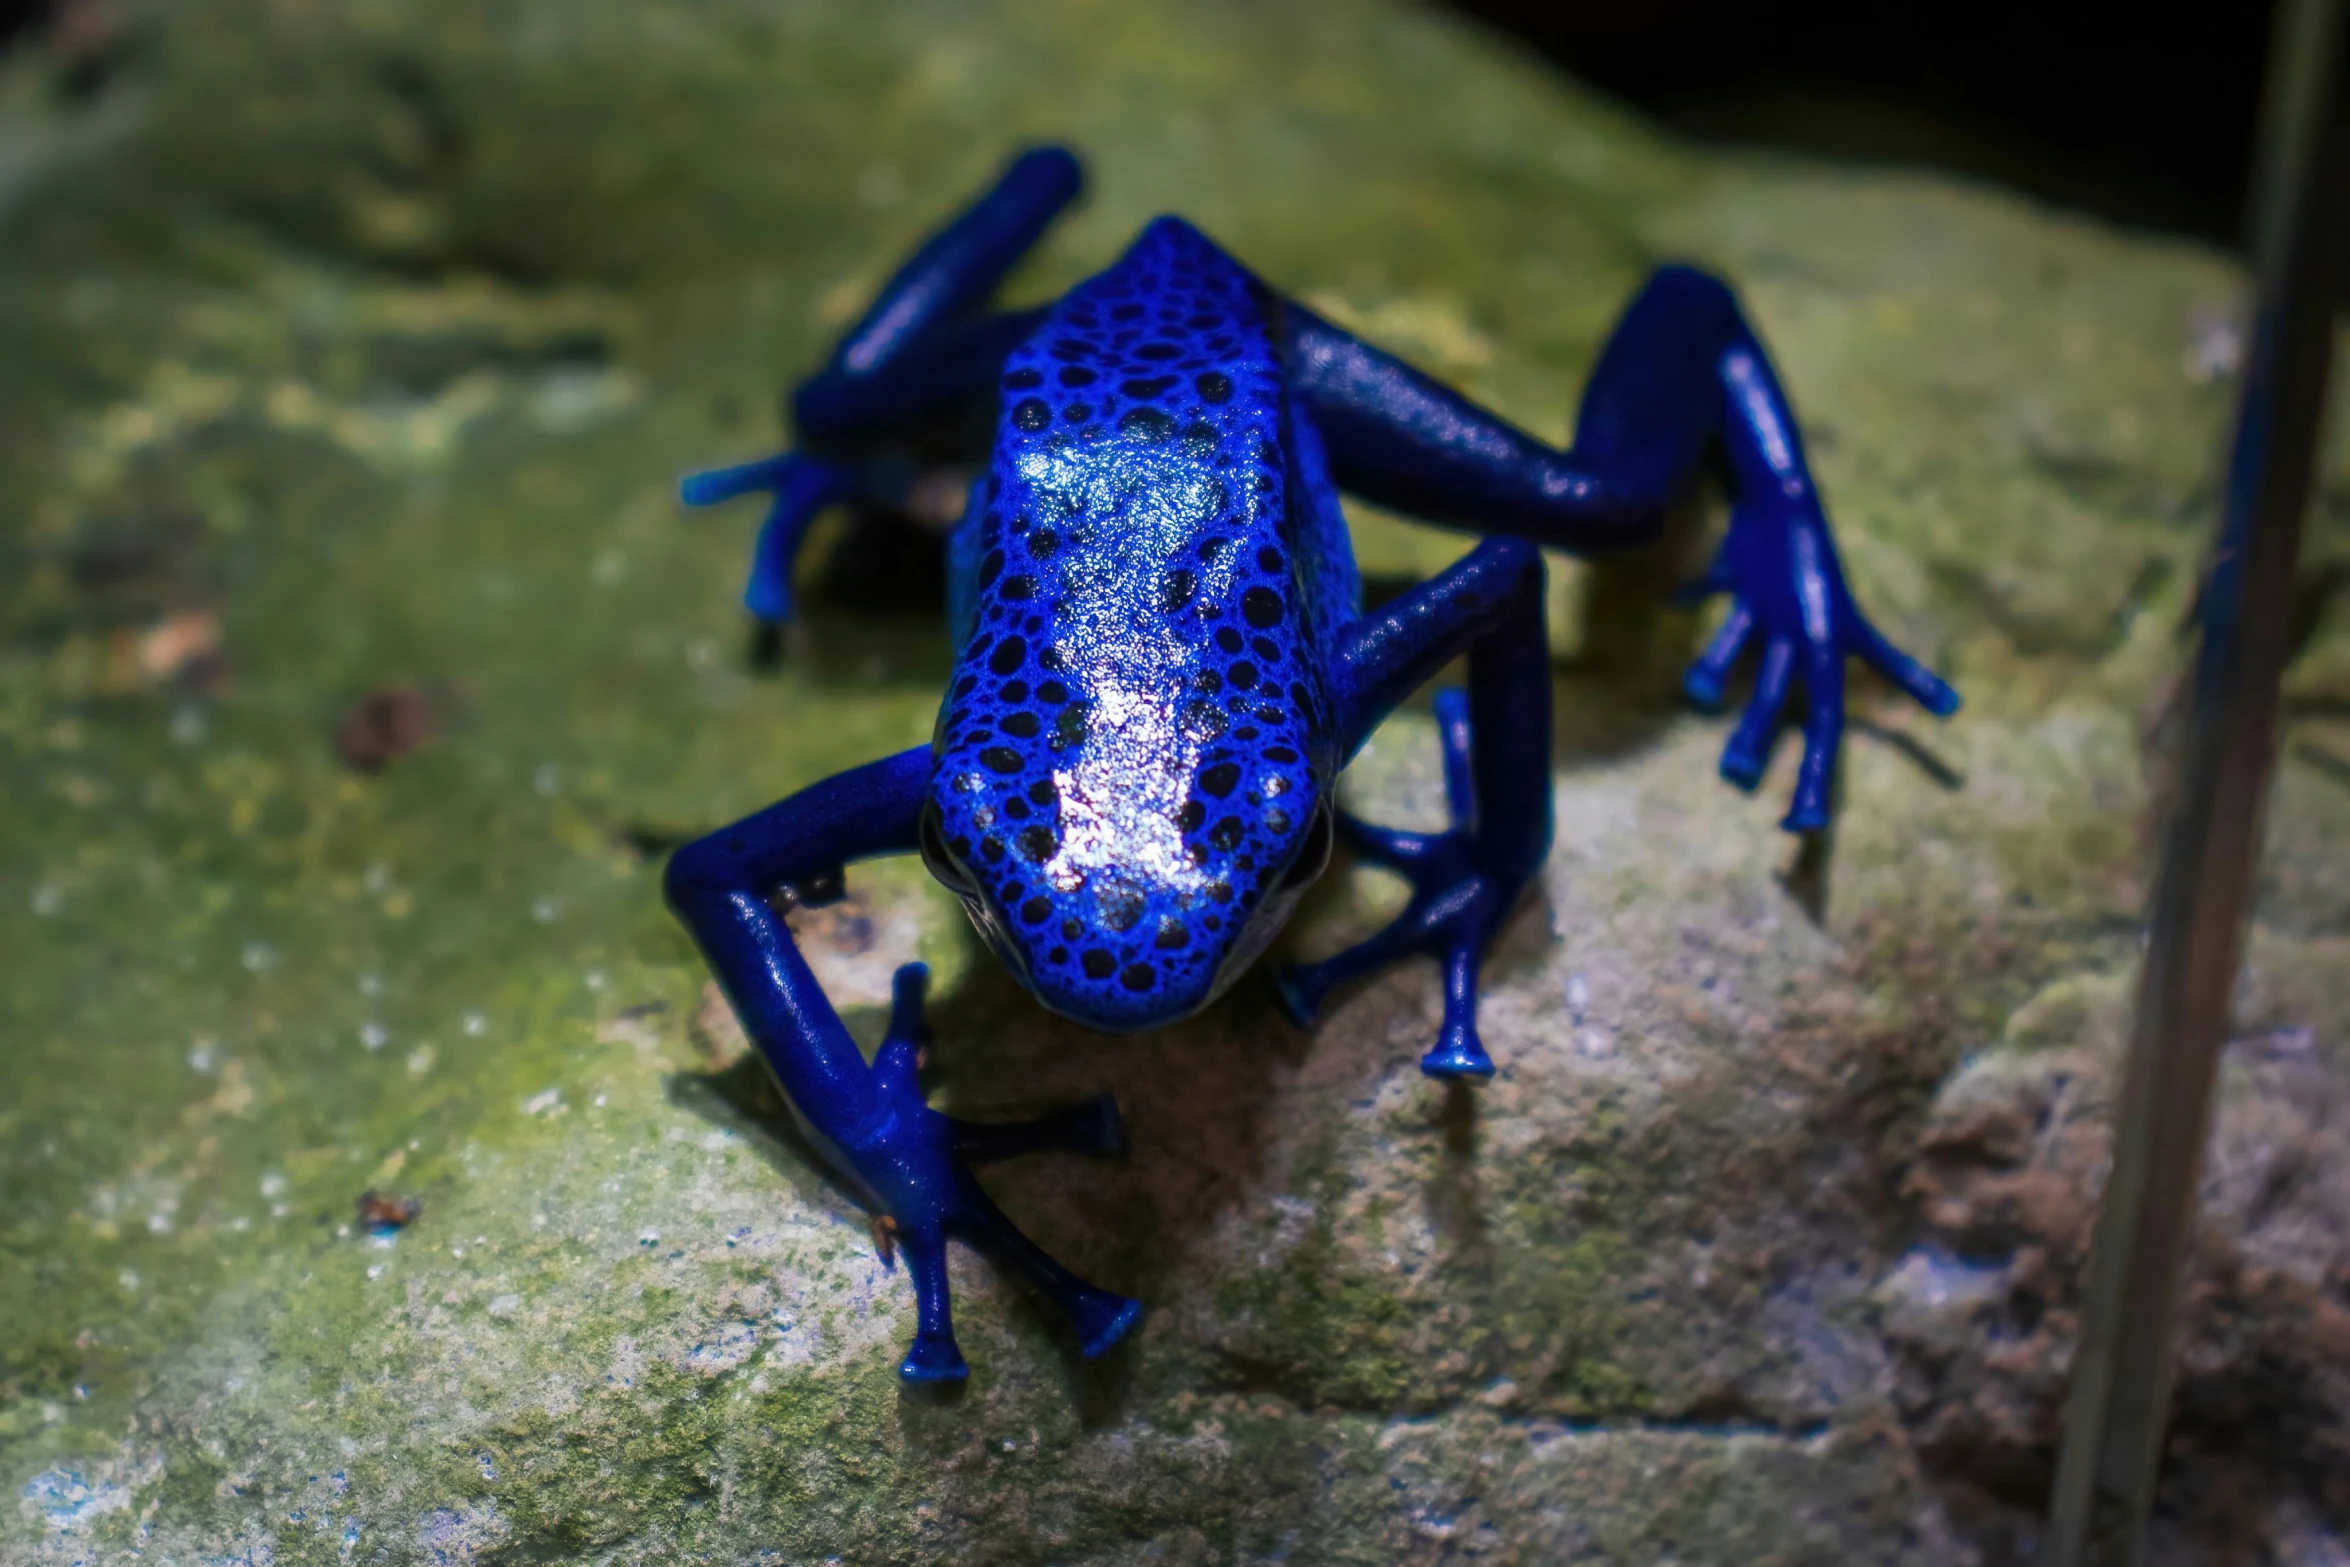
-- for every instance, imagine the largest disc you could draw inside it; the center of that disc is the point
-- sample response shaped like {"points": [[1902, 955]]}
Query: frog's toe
{"points": [[1101, 1317], [1093, 1128], [1453, 912], [1459, 1052], [1112, 1321], [1454, 1057], [1097, 1130], [1304, 988], [1708, 677], [715, 486], [1300, 991], [1748, 750], [1806, 816], [802, 486], [933, 1358], [1924, 687], [934, 1355]]}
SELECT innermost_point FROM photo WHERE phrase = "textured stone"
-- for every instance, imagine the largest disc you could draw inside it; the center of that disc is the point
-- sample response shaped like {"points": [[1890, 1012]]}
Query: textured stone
{"points": [[370, 337]]}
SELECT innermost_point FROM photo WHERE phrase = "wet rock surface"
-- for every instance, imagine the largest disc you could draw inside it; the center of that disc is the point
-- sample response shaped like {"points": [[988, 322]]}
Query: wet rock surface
{"points": [[368, 339]]}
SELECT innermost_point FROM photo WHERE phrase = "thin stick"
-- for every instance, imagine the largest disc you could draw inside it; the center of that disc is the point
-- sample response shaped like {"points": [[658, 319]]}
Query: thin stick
{"points": [[2120, 1402]]}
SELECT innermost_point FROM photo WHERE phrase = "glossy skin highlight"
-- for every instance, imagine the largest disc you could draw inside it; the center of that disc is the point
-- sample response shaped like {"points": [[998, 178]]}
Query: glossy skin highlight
{"points": [[1164, 663], [1133, 750]]}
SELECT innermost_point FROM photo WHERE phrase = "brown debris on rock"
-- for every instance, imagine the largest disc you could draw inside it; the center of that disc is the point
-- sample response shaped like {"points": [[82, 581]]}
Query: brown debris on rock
{"points": [[1983, 1317], [381, 1215], [716, 1032], [388, 723]]}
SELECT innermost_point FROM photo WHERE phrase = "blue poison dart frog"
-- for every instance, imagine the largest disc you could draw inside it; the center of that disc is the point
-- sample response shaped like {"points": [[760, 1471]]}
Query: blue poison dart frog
{"points": [[1163, 663]]}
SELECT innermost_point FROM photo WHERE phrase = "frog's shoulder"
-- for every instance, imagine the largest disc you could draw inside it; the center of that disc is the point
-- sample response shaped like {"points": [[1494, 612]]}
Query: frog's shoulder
{"points": [[1144, 415]]}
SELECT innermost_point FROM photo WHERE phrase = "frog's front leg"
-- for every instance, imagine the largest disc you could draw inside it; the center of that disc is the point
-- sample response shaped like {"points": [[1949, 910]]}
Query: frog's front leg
{"points": [[908, 1161], [1682, 373], [1496, 736]]}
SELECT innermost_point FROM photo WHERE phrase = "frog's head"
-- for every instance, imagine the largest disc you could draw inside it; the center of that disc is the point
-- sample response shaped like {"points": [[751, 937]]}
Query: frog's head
{"points": [[1128, 843]]}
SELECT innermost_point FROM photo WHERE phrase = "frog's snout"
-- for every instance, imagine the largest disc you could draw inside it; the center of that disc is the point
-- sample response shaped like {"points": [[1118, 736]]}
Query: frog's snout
{"points": [[1120, 998]]}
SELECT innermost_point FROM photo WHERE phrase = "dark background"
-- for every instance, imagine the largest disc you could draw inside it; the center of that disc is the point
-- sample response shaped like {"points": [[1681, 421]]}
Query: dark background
{"points": [[2139, 112], [2132, 111]]}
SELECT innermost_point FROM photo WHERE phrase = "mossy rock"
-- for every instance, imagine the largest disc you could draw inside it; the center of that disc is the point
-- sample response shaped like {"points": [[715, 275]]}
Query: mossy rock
{"points": [[346, 347]]}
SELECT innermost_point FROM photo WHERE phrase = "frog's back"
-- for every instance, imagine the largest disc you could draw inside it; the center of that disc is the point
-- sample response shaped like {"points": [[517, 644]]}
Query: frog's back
{"points": [[1128, 752], [1142, 419]]}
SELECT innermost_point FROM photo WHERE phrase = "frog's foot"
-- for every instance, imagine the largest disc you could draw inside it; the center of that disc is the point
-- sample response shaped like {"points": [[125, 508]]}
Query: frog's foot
{"points": [[919, 1168], [802, 486], [1789, 601], [1457, 902]]}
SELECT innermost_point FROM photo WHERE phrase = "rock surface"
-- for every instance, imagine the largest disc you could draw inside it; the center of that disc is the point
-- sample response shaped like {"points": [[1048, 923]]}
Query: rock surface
{"points": [[353, 348]]}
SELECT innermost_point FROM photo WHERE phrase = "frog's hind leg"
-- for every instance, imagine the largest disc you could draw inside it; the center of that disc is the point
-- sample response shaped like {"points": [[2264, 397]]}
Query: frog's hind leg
{"points": [[923, 348], [1466, 879], [946, 282]]}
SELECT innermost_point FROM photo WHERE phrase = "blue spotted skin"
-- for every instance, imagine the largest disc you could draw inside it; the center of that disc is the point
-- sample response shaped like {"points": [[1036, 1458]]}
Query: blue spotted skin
{"points": [[1133, 750], [1164, 663]]}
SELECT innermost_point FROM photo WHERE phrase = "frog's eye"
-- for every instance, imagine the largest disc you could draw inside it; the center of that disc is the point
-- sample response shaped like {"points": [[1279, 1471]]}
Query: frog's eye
{"points": [[949, 872], [1313, 856]]}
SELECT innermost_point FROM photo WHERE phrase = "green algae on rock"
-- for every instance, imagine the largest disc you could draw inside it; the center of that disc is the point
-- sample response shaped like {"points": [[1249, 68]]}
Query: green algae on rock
{"points": [[374, 334]]}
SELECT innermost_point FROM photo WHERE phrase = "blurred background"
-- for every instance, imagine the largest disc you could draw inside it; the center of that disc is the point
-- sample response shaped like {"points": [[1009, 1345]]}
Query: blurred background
{"points": [[2139, 114], [357, 670]]}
